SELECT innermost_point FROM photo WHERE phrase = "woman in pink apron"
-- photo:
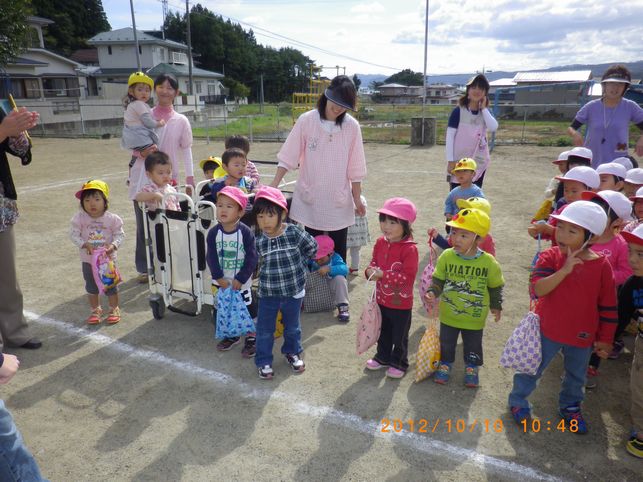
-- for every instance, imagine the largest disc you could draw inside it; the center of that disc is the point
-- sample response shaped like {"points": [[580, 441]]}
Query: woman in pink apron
{"points": [[467, 129]]}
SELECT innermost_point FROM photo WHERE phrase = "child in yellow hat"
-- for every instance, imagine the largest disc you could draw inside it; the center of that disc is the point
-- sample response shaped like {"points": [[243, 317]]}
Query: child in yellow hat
{"points": [[138, 124]]}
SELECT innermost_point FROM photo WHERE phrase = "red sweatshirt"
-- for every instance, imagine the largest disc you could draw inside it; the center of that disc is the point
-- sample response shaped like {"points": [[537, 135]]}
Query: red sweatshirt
{"points": [[399, 263], [582, 308]]}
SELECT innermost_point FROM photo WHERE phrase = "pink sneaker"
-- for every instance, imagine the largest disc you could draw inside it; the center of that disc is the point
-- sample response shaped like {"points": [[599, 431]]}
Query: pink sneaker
{"points": [[393, 372], [374, 365]]}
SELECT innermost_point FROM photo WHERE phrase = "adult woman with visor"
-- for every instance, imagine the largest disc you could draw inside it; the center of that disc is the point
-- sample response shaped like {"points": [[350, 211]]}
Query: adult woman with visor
{"points": [[608, 119], [326, 146]]}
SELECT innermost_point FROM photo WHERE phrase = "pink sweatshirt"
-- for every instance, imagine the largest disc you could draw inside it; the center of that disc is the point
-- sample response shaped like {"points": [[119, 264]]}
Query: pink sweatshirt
{"points": [[102, 231], [328, 163], [616, 253]]}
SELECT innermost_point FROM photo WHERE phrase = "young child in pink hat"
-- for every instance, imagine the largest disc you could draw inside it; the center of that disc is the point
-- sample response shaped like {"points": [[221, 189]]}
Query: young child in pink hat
{"points": [[284, 250], [331, 265], [232, 257], [394, 266]]}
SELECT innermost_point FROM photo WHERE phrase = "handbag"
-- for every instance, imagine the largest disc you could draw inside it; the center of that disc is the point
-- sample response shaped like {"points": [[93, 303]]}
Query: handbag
{"points": [[523, 350], [427, 276], [370, 323], [106, 275], [318, 295], [428, 356], [233, 318]]}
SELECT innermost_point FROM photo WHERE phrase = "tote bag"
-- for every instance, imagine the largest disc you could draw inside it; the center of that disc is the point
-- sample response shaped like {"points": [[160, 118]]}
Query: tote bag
{"points": [[370, 323], [318, 295], [104, 270], [428, 356], [233, 318], [427, 276]]}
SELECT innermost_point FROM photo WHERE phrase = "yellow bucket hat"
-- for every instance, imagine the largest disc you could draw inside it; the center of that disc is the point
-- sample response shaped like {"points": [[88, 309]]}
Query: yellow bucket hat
{"points": [[473, 220], [94, 184], [219, 171], [140, 77], [475, 203], [465, 164]]}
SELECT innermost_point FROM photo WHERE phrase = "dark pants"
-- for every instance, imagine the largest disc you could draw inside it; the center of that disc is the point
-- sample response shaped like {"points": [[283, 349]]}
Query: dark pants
{"points": [[393, 343], [139, 252], [478, 183], [339, 238], [471, 342]]}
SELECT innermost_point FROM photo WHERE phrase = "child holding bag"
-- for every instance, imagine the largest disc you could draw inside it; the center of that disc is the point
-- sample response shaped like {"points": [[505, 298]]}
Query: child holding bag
{"points": [[394, 266], [284, 250], [232, 258]]}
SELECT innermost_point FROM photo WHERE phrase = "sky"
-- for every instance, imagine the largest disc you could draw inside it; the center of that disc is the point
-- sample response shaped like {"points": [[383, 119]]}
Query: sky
{"points": [[386, 36]]}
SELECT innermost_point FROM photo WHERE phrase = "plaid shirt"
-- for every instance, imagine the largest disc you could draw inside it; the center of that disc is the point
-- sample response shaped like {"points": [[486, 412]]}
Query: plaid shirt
{"points": [[284, 260]]}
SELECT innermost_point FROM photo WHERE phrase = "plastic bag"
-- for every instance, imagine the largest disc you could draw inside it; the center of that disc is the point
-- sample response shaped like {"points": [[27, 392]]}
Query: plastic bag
{"points": [[544, 211], [523, 350], [370, 324], [428, 356], [279, 325], [104, 269], [427, 276], [233, 318], [318, 295]]}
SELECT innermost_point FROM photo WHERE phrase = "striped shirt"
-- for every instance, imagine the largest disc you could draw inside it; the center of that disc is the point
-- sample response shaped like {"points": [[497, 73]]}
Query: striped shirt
{"points": [[283, 262]]}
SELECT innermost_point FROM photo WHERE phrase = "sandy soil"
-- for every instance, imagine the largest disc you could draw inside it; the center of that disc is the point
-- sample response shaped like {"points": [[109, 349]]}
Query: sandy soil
{"points": [[153, 400]]}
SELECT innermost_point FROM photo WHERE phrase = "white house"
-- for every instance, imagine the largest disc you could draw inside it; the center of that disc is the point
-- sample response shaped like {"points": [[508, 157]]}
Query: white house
{"points": [[436, 94]]}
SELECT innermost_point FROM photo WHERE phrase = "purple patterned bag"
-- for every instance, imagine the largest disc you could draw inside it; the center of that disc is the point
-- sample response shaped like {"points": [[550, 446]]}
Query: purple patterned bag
{"points": [[523, 351]]}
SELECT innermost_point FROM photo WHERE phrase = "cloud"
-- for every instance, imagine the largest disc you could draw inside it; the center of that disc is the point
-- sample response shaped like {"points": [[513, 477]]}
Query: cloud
{"points": [[368, 8], [408, 37]]}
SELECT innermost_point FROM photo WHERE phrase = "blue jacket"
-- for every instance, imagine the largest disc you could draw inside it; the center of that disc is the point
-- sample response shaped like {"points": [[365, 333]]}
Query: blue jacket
{"points": [[337, 266]]}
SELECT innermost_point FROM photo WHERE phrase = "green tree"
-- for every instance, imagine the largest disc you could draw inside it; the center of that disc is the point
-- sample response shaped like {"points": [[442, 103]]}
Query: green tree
{"points": [[13, 29], [357, 81], [405, 77]]}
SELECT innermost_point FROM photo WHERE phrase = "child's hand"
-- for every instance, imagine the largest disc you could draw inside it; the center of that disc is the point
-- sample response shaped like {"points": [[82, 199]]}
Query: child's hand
{"points": [[602, 349], [535, 229], [223, 283], [236, 285], [110, 249], [159, 197], [496, 314], [161, 123], [376, 273], [429, 297], [571, 261], [432, 233], [87, 247], [324, 270]]}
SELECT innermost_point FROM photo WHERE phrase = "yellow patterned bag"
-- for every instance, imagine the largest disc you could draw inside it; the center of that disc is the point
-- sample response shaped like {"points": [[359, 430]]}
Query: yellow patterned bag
{"points": [[428, 355], [279, 326]]}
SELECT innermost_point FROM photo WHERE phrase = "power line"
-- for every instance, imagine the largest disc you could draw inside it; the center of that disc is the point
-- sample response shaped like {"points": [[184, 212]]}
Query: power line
{"points": [[294, 42]]}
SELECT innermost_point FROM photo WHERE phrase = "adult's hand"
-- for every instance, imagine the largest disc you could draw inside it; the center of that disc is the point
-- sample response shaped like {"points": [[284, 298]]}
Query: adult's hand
{"points": [[577, 139], [9, 368], [17, 122], [360, 209]]}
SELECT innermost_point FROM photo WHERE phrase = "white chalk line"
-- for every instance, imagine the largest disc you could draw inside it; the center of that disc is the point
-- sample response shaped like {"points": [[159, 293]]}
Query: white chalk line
{"points": [[56, 185], [337, 417]]}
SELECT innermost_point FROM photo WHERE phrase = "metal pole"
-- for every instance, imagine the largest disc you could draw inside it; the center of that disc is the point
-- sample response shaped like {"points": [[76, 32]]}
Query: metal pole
{"points": [[189, 37], [261, 95], [426, 43], [138, 56]]}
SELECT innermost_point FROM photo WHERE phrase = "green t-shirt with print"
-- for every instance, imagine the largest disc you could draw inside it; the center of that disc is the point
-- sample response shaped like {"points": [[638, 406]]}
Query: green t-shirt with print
{"points": [[464, 302]]}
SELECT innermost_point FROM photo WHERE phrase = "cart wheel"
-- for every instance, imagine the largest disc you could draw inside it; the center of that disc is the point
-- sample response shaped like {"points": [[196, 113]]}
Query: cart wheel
{"points": [[158, 307]]}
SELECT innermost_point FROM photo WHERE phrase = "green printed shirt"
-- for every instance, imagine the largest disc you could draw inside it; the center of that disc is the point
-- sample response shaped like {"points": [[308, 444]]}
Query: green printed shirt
{"points": [[464, 302]]}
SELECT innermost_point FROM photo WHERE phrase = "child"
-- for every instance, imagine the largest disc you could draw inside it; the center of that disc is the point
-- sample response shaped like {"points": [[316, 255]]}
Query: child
{"points": [[212, 167], [469, 283], [232, 257], [331, 265], [234, 163], [394, 266], [242, 142], [611, 245], [138, 128], [626, 162], [487, 244], [578, 156], [612, 176], [284, 251], [630, 304], [552, 187], [637, 211], [575, 182], [356, 237], [93, 226], [576, 305], [633, 181], [158, 169], [464, 171]]}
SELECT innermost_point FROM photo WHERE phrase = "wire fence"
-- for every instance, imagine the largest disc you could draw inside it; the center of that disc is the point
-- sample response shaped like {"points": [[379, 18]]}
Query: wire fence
{"points": [[540, 124]]}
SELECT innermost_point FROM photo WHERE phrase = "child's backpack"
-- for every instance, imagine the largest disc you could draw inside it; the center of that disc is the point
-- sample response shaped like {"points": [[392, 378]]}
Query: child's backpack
{"points": [[370, 323], [427, 276], [428, 356], [233, 318], [318, 296], [104, 269]]}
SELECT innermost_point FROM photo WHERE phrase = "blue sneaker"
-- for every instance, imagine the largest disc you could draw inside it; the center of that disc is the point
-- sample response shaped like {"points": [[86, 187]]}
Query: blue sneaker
{"points": [[574, 420], [442, 373], [471, 376], [520, 415]]}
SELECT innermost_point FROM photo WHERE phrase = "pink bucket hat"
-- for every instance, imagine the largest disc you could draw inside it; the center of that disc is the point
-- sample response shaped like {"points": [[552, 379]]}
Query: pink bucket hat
{"points": [[400, 208], [325, 245], [235, 194], [273, 195]]}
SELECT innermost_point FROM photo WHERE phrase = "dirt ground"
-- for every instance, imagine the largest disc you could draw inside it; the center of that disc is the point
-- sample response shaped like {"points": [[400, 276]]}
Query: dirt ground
{"points": [[153, 399]]}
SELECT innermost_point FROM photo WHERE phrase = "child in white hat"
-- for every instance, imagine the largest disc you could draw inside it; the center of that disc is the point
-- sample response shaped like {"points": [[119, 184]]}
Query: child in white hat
{"points": [[552, 192], [612, 176], [637, 211], [577, 310], [633, 181]]}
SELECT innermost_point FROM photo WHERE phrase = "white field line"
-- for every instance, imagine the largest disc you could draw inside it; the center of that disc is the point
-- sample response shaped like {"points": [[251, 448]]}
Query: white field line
{"points": [[56, 185], [351, 421]]}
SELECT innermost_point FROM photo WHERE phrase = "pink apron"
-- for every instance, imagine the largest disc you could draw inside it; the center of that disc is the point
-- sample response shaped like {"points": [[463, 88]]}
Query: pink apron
{"points": [[471, 141]]}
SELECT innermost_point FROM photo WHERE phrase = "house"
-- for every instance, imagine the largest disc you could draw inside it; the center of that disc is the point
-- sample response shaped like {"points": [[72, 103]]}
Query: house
{"points": [[436, 94], [117, 60]]}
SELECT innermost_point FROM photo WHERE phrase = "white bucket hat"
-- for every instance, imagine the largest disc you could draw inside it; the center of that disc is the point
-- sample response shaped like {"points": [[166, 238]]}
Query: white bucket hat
{"points": [[624, 161], [635, 236], [585, 214], [583, 152], [562, 157], [584, 174], [634, 176], [618, 202], [638, 195], [613, 168]]}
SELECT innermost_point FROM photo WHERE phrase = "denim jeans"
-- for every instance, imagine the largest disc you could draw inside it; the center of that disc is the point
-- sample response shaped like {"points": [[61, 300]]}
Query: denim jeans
{"points": [[16, 463], [269, 306], [572, 390]]}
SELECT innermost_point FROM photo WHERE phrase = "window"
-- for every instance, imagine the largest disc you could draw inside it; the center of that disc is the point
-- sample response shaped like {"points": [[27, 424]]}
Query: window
{"points": [[198, 86], [109, 50], [61, 87], [140, 50], [25, 88]]}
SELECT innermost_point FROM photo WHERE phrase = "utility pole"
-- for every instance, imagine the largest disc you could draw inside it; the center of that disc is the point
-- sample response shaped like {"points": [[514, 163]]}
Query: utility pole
{"points": [[426, 43], [165, 14], [261, 95], [138, 56], [189, 36]]}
